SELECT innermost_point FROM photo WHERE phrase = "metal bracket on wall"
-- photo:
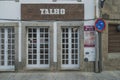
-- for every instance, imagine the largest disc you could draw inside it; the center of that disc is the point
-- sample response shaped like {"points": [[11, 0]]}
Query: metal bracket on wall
{"points": [[118, 28]]}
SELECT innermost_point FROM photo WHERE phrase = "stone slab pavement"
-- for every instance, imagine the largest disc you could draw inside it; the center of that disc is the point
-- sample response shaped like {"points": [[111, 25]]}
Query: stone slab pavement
{"points": [[72, 75]]}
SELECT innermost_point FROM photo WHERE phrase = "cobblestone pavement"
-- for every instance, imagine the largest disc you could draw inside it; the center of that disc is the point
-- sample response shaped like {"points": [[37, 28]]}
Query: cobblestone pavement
{"points": [[106, 75]]}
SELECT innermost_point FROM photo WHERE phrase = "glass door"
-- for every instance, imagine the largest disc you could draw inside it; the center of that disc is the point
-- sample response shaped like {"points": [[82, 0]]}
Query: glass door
{"points": [[7, 48], [70, 48], [38, 47]]}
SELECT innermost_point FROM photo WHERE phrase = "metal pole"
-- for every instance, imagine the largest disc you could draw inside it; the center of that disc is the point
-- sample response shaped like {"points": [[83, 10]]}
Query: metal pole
{"points": [[98, 61], [100, 53], [97, 52], [100, 46], [97, 46]]}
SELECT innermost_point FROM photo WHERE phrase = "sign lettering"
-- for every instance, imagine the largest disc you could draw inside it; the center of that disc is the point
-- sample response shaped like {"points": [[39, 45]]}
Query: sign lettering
{"points": [[52, 11]]}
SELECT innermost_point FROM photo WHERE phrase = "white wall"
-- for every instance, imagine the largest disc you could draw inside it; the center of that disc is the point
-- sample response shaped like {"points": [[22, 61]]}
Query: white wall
{"points": [[34, 1], [89, 11], [89, 14], [9, 10]]}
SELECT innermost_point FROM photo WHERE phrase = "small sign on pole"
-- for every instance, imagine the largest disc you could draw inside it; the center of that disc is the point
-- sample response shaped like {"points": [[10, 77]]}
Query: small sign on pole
{"points": [[100, 25]]}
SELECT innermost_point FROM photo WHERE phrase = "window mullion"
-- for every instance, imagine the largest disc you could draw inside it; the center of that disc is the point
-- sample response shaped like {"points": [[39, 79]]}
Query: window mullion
{"points": [[78, 45], [6, 47], [69, 34], [38, 46]]}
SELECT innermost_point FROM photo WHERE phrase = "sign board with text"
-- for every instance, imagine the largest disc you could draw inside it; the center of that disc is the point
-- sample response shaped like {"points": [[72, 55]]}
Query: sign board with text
{"points": [[52, 11], [89, 43]]}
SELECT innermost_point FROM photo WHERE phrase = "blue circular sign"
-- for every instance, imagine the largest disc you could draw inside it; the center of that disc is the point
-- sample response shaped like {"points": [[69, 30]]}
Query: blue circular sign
{"points": [[100, 25]]}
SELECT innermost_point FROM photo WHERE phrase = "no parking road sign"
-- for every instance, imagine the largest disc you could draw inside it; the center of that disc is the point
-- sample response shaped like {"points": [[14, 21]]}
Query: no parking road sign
{"points": [[100, 25]]}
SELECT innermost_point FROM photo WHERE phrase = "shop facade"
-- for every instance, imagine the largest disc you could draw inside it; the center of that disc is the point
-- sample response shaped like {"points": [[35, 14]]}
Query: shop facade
{"points": [[50, 36], [54, 42]]}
